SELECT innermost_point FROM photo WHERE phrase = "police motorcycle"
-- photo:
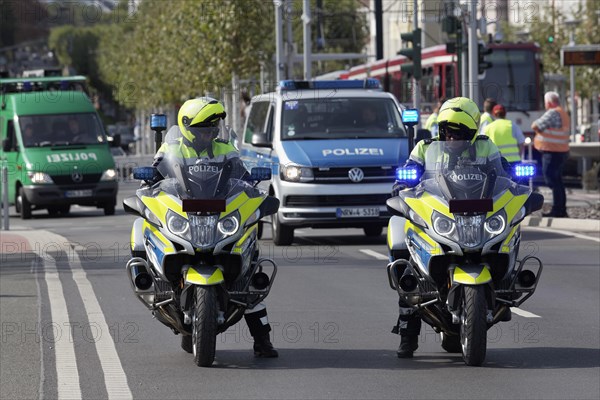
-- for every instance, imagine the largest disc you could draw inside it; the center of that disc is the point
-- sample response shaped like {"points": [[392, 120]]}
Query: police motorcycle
{"points": [[195, 260], [460, 226]]}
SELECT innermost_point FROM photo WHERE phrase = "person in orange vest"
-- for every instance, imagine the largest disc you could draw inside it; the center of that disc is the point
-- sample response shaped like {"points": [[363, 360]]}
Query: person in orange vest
{"points": [[552, 140], [506, 135]]}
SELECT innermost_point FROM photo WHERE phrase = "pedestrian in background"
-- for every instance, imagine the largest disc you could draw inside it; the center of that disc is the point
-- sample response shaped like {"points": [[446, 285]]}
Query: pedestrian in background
{"points": [[552, 140], [506, 135], [431, 124], [486, 117]]}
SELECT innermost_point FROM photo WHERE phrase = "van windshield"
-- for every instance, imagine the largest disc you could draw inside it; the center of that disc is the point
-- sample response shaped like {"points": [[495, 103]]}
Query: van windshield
{"points": [[341, 118], [61, 130]]}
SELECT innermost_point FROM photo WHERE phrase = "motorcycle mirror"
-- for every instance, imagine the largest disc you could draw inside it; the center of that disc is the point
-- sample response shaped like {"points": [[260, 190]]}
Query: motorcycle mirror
{"points": [[397, 206]]}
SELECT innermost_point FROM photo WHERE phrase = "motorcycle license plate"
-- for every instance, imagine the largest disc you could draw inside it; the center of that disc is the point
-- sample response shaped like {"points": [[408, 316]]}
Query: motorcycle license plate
{"points": [[78, 193], [357, 212]]}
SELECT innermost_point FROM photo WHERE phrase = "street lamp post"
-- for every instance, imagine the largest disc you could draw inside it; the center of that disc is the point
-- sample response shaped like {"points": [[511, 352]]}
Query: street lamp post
{"points": [[571, 24]]}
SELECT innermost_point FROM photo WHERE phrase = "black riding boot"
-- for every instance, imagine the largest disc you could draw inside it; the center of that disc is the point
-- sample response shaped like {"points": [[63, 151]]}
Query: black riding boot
{"points": [[409, 327], [259, 329]]}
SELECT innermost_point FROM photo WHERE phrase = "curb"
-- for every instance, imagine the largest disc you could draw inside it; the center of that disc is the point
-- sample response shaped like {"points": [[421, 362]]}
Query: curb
{"points": [[569, 224]]}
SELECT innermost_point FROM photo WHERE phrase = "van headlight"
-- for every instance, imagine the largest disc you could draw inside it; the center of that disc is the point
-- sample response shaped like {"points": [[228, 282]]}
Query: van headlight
{"points": [[109, 175], [40, 177], [294, 173]]}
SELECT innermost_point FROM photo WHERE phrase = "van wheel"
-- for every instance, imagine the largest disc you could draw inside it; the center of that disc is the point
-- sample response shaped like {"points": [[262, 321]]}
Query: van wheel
{"points": [[109, 208], [23, 205], [282, 235], [372, 231], [64, 210]]}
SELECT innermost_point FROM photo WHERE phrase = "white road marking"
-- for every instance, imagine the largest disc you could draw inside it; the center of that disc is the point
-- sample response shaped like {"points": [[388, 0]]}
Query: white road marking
{"points": [[566, 233], [115, 379], [67, 375], [114, 375], [375, 254], [524, 313]]}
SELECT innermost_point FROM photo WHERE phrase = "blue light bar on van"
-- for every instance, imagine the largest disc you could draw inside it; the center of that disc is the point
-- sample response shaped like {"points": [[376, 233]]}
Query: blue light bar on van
{"points": [[369, 83], [524, 170], [407, 174], [410, 116]]}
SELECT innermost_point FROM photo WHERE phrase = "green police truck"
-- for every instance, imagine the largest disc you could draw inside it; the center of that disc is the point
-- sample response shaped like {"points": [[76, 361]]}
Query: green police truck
{"points": [[54, 147]]}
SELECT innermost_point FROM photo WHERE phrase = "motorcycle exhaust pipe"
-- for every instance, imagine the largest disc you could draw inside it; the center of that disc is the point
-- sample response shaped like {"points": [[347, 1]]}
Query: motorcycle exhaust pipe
{"points": [[408, 282], [260, 280], [526, 278], [141, 278]]}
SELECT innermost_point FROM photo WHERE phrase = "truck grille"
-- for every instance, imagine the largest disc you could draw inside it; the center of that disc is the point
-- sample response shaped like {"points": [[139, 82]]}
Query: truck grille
{"points": [[340, 174], [336, 200]]}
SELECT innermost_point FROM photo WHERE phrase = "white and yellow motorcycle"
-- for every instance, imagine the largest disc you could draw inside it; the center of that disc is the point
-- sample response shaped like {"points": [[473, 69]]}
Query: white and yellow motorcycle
{"points": [[454, 245], [196, 263]]}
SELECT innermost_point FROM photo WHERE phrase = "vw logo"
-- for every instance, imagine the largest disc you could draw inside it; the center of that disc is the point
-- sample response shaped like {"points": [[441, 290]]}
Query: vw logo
{"points": [[76, 176], [356, 175]]}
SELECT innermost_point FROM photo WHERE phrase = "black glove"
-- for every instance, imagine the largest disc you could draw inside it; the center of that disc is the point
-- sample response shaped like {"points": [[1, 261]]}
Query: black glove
{"points": [[398, 186]]}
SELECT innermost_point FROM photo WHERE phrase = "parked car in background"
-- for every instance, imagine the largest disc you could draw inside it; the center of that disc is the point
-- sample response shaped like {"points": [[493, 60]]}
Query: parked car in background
{"points": [[126, 135]]}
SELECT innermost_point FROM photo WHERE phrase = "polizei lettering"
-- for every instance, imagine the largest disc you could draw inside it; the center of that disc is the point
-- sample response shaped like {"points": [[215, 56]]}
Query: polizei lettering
{"points": [[62, 157], [357, 151], [203, 168], [468, 177]]}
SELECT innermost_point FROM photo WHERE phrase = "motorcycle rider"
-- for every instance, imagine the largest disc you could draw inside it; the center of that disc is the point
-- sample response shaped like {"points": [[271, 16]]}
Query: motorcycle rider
{"points": [[458, 121], [198, 120]]}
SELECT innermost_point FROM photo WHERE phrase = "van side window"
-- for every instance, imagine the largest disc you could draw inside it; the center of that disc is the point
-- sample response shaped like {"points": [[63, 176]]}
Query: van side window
{"points": [[256, 120], [10, 135]]}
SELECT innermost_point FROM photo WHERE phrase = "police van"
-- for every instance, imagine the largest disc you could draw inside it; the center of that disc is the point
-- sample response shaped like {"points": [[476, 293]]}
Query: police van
{"points": [[334, 147], [54, 146]]}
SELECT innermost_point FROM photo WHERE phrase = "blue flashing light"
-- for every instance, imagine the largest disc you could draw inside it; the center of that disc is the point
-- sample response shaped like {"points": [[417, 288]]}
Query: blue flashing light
{"points": [[524, 170], [410, 116], [369, 83], [144, 173], [407, 174], [158, 122], [260, 174], [27, 86]]}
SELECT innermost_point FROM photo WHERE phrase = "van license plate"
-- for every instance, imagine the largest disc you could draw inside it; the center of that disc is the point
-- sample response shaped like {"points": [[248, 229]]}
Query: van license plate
{"points": [[78, 193], [357, 212]]}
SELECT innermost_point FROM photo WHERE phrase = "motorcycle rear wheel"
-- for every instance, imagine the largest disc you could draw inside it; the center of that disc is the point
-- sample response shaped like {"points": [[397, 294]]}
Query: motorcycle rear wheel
{"points": [[186, 343], [451, 343], [204, 325], [473, 329]]}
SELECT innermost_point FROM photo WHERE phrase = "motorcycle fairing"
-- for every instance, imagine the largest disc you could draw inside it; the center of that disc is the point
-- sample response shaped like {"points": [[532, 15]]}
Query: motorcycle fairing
{"points": [[157, 245], [204, 275], [137, 238], [421, 246], [472, 274]]}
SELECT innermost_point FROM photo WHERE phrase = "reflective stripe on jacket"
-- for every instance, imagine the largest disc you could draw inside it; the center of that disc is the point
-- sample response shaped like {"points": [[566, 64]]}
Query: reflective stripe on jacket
{"points": [[501, 133], [555, 140]]}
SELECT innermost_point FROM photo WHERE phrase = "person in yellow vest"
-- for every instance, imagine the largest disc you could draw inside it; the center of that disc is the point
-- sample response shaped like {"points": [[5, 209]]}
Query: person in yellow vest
{"points": [[552, 140], [486, 117], [198, 121], [506, 135], [432, 124]]}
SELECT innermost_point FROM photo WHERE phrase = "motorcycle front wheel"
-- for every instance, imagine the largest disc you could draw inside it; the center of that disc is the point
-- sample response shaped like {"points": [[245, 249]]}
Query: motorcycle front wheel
{"points": [[204, 325], [473, 329]]}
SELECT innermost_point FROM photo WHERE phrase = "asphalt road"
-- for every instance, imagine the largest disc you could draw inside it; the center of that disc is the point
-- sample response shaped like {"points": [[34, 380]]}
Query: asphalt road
{"points": [[331, 310]]}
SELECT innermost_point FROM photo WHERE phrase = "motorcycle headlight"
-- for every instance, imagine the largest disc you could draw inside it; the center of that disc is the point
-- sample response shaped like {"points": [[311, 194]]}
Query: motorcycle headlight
{"points": [[40, 177], [228, 225], [469, 229], [294, 173], [178, 225], [444, 226], [495, 224], [109, 175]]}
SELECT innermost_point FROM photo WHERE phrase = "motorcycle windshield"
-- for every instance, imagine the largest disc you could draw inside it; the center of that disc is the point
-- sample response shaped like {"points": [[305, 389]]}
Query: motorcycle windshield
{"points": [[203, 178], [456, 171]]}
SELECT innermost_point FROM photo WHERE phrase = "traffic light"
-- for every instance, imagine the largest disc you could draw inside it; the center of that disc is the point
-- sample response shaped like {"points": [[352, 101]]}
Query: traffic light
{"points": [[483, 51], [414, 53]]}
